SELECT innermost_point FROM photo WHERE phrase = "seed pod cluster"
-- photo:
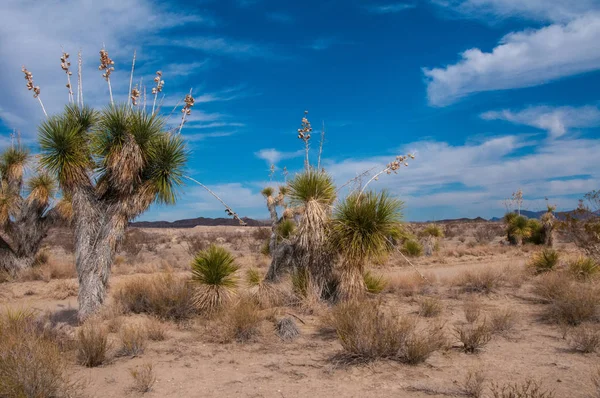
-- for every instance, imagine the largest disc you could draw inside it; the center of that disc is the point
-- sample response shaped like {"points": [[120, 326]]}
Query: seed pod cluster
{"points": [[30, 85], [159, 83], [189, 103], [305, 129], [106, 64]]}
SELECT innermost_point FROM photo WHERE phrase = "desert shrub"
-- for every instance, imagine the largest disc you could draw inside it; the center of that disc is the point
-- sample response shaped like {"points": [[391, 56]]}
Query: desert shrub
{"points": [[194, 244], [481, 281], [366, 332], [529, 389], [503, 321], [165, 296], [585, 338], [412, 248], [430, 307], [409, 284], [133, 340], [213, 270], [92, 344], [433, 231], [583, 268], [144, 378], [134, 242], [31, 362], [537, 236], [65, 289], [583, 226], [473, 336], [261, 233], [544, 261], [374, 283], [472, 310], [265, 248], [596, 383], [156, 330], [450, 231], [574, 305], [484, 234], [550, 286], [287, 330]]}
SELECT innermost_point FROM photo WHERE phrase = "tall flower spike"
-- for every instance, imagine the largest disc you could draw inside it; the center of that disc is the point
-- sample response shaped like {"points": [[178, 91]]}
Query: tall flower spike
{"points": [[187, 109], [304, 134], [65, 65], [31, 87], [106, 66], [158, 88]]}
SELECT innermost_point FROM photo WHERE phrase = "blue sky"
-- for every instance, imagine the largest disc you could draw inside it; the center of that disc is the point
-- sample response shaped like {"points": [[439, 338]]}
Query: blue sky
{"points": [[490, 95]]}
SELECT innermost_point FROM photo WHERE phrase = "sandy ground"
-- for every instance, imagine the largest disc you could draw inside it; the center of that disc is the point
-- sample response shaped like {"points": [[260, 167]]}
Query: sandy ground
{"points": [[188, 365]]}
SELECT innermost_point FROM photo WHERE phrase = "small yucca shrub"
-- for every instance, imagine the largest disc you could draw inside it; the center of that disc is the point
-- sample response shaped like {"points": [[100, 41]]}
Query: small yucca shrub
{"points": [[374, 283], [412, 248], [583, 268], [253, 277], [213, 270], [433, 230], [544, 261], [285, 229]]}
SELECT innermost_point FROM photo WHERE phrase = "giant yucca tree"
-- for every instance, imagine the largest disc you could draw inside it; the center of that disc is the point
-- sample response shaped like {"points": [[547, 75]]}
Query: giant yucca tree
{"points": [[313, 192], [26, 211], [113, 164], [363, 227]]}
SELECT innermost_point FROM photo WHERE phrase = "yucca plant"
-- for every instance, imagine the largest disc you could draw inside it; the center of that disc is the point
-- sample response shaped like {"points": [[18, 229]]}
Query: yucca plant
{"points": [[412, 248], [361, 229], [313, 193], [26, 211], [280, 227], [374, 283], [518, 228], [584, 267], [113, 164], [544, 261], [213, 270]]}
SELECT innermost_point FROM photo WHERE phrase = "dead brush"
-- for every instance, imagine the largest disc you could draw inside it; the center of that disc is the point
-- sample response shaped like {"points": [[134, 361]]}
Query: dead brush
{"points": [[473, 336], [92, 344], [409, 284], [503, 321], [134, 340], [163, 295], [473, 385], [484, 281], [550, 286], [239, 322], [265, 294], [576, 304], [528, 389], [366, 332], [31, 361], [596, 383], [156, 330], [585, 338], [144, 378], [430, 307], [287, 330], [472, 309], [65, 289]]}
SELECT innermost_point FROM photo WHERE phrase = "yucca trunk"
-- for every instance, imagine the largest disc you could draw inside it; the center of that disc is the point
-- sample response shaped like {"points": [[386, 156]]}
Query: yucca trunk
{"points": [[97, 233], [549, 236], [282, 259], [351, 284], [429, 245]]}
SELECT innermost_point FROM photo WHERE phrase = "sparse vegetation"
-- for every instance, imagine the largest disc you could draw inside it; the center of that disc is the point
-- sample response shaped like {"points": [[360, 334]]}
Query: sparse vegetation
{"points": [[503, 320], [472, 309], [430, 307], [92, 344], [528, 389], [585, 338], [156, 330], [374, 284], [144, 378], [584, 268], [239, 322], [412, 248], [544, 261], [133, 340], [473, 336], [482, 281]]}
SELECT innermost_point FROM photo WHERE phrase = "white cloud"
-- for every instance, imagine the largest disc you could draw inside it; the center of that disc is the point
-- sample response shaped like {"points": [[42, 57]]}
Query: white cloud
{"points": [[322, 43], [203, 136], [273, 156], [556, 120], [391, 8], [539, 10], [521, 59], [220, 45]]}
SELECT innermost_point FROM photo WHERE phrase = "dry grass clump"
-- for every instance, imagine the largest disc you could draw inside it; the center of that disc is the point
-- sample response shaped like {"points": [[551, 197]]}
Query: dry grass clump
{"points": [[473, 386], [481, 281], [430, 307], [408, 285], [585, 338], [551, 285], [144, 378], [165, 296], [574, 304], [472, 309], [375, 284], [367, 333], [133, 340], [156, 330], [528, 389], [584, 268], [544, 261], [31, 363], [503, 320], [239, 322], [596, 383], [412, 248], [65, 289], [92, 344], [473, 336], [265, 294]]}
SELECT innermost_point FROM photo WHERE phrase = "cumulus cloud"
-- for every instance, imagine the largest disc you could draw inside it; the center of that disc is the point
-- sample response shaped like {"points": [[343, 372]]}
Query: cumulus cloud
{"points": [[556, 120], [521, 59]]}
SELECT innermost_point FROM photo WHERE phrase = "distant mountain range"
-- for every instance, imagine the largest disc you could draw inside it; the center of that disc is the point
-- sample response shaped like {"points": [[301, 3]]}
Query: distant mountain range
{"points": [[200, 221]]}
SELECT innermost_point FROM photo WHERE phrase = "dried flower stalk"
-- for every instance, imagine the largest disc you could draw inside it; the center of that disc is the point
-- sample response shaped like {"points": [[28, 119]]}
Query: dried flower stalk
{"points": [[106, 66], [31, 87], [79, 80], [304, 134], [158, 88], [321, 146], [131, 77], [187, 109], [228, 209], [65, 65], [392, 167]]}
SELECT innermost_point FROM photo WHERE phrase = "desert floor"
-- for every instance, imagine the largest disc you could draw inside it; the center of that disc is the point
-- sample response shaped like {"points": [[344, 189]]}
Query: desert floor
{"points": [[192, 363]]}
